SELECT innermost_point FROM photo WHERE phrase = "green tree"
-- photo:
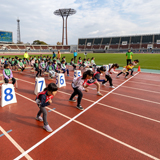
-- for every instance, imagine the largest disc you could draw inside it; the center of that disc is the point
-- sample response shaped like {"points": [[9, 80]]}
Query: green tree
{"points": [[38, 42]]}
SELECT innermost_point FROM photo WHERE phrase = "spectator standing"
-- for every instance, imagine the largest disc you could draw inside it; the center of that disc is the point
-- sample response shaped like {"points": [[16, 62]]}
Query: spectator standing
{"points": [[75, 56], [54, 55], [129, 56], [26, 55], [59, 54]]}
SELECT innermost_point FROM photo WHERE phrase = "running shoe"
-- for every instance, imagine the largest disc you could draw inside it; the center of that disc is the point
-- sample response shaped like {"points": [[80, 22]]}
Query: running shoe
{"points": [[80, 107], [99, 94], [117, 77], [72, 100], [47, 128], [39, 118], [111, 87]]}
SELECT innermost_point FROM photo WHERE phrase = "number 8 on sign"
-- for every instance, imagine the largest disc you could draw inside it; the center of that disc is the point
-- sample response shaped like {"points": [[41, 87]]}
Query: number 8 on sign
{"points": [[8, 95]]}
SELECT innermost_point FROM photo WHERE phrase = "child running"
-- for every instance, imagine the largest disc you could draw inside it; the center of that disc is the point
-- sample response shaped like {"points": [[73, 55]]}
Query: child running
{"points": [[44, 99], [78, 85], [108, 75], [8, 74], [126, 70], [96, 79], [135, 62]]}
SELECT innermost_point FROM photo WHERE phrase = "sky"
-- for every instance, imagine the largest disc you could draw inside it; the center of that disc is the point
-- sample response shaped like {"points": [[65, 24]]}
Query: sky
{"points": [[94, 18]]}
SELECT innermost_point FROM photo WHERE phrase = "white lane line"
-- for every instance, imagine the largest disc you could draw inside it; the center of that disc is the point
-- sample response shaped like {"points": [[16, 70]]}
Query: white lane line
{"points": [[126, 96], [149, 79], [121, 110], [112, 138], [111, 106], [99, 132], [15, 143], [112, 93], [128, 87], [68, 122], [141, 89]]}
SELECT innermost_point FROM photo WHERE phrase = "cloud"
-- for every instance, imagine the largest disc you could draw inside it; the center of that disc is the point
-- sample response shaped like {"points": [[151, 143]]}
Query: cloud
{"points": [[94, 18]]}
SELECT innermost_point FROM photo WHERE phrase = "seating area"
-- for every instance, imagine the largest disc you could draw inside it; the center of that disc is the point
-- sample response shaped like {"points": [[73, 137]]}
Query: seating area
{"points": [[113, 47], [66, 47], [44, 47], [144, 46], [59, 47], [96, 46], [123, 46], [156, 46], [37, 47], [13, 47], [135, 46], [21, 47]]}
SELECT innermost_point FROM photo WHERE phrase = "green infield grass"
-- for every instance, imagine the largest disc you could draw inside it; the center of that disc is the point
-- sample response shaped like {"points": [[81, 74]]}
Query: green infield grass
{"points": [[147, 61]]}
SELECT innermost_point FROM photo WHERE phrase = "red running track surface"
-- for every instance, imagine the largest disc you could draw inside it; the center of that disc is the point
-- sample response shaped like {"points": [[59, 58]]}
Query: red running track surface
{"points": [[130, 114]]}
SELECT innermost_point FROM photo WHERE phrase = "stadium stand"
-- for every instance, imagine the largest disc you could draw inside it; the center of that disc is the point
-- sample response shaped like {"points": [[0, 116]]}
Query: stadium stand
{"points": [[66, 47], [22, 47], [13, 47], [37, 47], [59, 47], [31, 47], [44, 47], [51, 47], [138, 43]]}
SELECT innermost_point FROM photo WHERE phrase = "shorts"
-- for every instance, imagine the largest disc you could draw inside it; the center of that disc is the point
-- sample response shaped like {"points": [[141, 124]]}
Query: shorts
{"points": [[91, 81]]}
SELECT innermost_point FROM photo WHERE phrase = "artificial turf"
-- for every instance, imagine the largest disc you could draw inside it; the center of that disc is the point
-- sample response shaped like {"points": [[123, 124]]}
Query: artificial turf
{"points": [[147, 61]]}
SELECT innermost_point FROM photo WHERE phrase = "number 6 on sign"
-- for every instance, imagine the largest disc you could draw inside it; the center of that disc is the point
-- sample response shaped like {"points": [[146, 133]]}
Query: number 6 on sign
{"points": [[8, 95], [60, 80]]}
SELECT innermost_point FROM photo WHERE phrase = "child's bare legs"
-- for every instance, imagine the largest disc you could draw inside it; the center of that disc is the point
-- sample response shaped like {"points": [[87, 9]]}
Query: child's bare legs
{"points": [[98, 89]]}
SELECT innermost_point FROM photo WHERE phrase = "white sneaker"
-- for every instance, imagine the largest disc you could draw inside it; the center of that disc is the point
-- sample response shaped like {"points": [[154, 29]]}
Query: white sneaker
{"points": [[99, 94], [126, 77], [117, 76], [104, 84], [47, 128], [111, 87]]}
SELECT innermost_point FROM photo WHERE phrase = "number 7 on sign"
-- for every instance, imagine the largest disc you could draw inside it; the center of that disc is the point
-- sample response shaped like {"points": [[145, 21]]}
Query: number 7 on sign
{"points": [[41, 85]]}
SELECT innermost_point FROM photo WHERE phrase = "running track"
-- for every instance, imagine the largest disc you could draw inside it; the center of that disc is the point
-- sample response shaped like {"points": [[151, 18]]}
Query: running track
{"points": [[123, 125]]}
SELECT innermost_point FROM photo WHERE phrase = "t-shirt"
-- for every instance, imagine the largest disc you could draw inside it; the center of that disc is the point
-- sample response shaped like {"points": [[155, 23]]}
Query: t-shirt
{"points": [[12, 62], [7, 72], [75, 54], [21, 64], [129, 55], [36, 64], [50, 68]]}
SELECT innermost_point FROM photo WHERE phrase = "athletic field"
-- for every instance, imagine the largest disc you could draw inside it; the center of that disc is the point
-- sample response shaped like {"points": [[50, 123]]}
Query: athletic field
{"points": [[147, 61]]}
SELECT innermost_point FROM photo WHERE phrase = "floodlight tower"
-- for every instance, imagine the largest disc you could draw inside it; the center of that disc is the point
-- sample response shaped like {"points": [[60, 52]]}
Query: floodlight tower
{"points": [[18, 31], [64, 13]]}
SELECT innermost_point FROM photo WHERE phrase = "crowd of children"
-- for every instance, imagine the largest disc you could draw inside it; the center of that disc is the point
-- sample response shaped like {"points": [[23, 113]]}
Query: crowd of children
{"points": [[53, 66]]}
